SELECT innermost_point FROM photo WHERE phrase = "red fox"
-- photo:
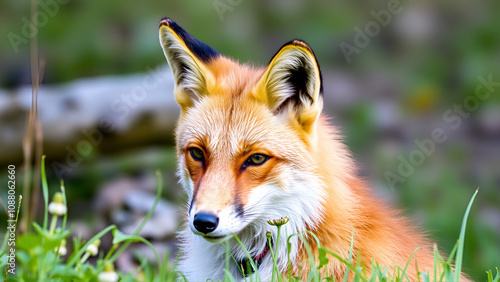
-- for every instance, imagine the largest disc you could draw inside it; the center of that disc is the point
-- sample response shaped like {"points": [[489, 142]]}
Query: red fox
{"points": [[253, 146]]}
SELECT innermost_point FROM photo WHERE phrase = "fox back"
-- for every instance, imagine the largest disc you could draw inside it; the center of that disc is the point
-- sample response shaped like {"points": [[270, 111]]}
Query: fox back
{"points": [[252, 146]]}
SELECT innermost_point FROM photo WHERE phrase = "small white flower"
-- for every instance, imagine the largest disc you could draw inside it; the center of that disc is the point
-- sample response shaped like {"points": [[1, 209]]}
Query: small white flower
{"points": [[279, 221], [57, 208], [108, 276], [92, 250], [61, 251]]}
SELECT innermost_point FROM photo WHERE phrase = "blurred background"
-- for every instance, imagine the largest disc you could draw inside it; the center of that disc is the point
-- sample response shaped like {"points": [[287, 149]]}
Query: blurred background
{"points": [[413, 85]]}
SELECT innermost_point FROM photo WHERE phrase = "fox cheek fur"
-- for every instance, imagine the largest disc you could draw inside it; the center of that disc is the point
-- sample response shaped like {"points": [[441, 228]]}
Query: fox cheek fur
{"points": [[252, 146]]}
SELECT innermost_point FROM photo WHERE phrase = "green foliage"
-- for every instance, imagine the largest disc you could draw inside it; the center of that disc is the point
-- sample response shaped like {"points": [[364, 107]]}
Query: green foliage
{"points": [[42, 255]]}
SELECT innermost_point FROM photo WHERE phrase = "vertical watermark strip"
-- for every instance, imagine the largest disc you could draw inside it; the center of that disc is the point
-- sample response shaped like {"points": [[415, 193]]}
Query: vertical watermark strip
{"points": [[11, 198], [11, 220]]}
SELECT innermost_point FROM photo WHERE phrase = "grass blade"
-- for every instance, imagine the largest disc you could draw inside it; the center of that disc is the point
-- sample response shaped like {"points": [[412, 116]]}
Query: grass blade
{"points": [[145, 220], [45, 191], [350, 256], [408, 263], [452, 254], [490, 276], [461, 239], [80, 252]]}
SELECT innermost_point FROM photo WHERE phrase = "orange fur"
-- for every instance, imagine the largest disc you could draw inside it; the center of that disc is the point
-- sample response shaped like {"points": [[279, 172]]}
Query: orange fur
{"points": [[239, 111]]}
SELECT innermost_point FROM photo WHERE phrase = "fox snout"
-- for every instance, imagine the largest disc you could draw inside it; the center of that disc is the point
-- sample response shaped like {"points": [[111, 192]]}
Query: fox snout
{"points": [[205, 222], [214, 214], [215, 226], [215, 207]]}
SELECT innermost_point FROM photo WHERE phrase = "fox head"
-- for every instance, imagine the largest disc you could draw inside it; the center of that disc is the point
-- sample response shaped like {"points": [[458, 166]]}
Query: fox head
{"points": [[246, 137]]}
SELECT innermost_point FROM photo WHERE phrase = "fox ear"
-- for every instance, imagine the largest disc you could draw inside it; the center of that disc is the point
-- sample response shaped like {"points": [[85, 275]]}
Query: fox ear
{"points": [[291, 84], [187, 57]]}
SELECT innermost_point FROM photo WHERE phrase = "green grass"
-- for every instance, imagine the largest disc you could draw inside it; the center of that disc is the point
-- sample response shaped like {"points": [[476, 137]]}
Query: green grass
{"points": [[39, 256]]}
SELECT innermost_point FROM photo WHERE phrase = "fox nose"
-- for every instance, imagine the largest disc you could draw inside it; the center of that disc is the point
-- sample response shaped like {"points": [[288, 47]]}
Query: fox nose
{"points": [[205, 222]]}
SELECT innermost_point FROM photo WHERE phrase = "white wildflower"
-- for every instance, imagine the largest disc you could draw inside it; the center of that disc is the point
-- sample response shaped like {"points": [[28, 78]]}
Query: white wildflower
{"points": [[108, 274], [57, 207], [61, 250], [93, 248]]}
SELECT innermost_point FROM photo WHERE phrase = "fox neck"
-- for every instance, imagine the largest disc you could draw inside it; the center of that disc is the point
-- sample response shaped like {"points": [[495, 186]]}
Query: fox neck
{"points": [[254, 240], [350, 214]]}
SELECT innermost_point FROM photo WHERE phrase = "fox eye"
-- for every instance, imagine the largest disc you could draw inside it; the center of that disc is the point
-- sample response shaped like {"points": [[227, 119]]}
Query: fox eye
{"points": [[256, 159], [197, 154]]}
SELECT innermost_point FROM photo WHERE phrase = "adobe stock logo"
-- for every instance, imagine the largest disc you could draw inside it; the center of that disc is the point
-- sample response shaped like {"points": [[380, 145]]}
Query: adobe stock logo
{"points": [[224, 6], [48, 9], [362, 37], [453, 117]]}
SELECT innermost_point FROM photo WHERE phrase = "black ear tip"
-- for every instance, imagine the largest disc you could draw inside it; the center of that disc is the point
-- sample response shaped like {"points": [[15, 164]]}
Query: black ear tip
{"points": [[167, 22], [298, 42], [301, 43]]}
